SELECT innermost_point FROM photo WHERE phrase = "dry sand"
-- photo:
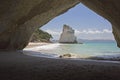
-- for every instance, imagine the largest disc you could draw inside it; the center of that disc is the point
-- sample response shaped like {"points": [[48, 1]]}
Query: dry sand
{"points": [[17, 66]]}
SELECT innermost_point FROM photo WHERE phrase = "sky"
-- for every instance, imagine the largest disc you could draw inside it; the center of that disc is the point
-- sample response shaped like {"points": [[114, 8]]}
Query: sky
{"points": [[86, 23]]}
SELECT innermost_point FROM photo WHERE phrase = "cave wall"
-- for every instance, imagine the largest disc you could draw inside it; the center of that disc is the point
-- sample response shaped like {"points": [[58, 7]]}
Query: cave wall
{"points": [[20, 18], [109, 9]]}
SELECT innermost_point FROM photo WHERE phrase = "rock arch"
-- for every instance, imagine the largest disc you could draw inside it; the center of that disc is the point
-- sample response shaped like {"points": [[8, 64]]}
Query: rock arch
{"points": [[20, 18]]}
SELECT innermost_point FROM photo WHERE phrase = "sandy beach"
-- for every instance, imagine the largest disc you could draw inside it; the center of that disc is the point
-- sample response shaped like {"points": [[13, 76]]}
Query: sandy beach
{"points": [[18, 66], [36, 47], [34, 44]]}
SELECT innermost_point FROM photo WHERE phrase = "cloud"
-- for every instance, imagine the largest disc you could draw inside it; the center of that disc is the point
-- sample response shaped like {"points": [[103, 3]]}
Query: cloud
{"points": [[94, 34], [78, 32], [90, 31], [107, 31], [53, 32], [85, 34]]}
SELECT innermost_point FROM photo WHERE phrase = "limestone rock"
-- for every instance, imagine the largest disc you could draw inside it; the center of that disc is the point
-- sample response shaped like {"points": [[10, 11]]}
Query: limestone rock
{"points": [[20, 18], [109, 9], [65, 55], [67, 35]]}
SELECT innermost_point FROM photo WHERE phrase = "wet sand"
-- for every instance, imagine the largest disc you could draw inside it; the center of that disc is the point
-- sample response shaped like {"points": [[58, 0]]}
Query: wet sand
{"points": [[17, 66], [115, 57]]}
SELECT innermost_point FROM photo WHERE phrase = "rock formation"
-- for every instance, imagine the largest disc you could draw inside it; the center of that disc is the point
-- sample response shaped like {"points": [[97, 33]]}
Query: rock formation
{"points": [[20, 18], [110, 10], [68, 55], [67, 35], [40, 36]]}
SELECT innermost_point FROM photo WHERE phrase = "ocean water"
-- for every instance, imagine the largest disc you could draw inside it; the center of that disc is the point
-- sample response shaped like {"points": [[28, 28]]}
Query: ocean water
{"points": [[85, 50]]}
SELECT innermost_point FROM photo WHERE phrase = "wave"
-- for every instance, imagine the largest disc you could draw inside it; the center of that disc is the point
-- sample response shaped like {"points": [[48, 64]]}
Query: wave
{"points": [[44, 47], [39, 54], [36, 51], [52, 51]]}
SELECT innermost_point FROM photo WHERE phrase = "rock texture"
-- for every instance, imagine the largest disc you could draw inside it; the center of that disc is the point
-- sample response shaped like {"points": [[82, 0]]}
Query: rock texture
{"points": [[67, 35], [109, 9], [20, 18], [40, 36]]}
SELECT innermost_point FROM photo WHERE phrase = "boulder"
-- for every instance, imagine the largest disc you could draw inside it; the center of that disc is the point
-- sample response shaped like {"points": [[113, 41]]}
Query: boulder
{"points": [[67, 35], [65, 55]]}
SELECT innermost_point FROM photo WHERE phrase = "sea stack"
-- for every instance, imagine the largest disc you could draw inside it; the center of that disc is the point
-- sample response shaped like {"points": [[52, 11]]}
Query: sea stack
{"points": [[67, 35]]}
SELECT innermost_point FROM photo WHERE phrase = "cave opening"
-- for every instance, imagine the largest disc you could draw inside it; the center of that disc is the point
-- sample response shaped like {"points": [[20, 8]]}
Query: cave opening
{"points": [[92, 30], [18, 20], [84, 21]]}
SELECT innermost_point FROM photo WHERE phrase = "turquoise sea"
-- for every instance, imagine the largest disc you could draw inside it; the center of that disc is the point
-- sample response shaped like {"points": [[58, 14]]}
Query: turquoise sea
{"points": [[87, 49]]}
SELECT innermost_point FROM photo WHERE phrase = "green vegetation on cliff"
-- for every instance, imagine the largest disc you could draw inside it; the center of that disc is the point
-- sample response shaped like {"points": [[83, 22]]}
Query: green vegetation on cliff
{"points": [[40, 36]]}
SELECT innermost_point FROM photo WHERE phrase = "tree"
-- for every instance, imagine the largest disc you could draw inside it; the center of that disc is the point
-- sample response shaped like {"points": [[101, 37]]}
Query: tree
{"points": [[40, 36]]}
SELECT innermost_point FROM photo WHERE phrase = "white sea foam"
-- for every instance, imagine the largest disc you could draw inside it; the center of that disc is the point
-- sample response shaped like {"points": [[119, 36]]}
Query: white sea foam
{"points": [[35, 51], [44, 47], [39, 54], [88, 50]]}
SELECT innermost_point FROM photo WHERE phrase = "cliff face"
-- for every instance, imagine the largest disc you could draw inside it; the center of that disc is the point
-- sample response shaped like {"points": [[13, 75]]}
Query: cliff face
{"points": [[67, 35], [40, 36], [20, 18]]}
